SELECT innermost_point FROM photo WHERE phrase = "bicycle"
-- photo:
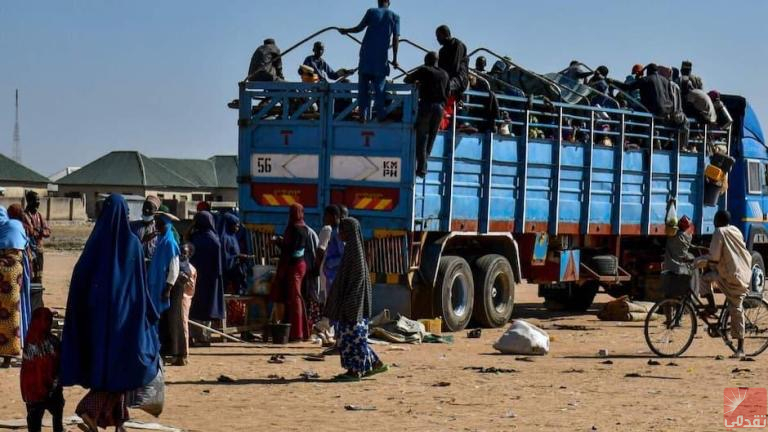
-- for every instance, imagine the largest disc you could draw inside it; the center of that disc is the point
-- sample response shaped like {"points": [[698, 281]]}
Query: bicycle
{"points": [[672, 334]]}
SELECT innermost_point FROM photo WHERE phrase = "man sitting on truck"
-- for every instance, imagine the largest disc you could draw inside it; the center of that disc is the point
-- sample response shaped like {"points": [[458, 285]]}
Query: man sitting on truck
{"points": [[730, 262], [453, 60], [433, 94], [320, 67], [654, 91], [382, 26], [266, 63]]}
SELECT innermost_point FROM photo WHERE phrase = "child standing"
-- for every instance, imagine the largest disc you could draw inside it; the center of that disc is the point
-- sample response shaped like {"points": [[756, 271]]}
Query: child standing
{"points": [[40, 386]]}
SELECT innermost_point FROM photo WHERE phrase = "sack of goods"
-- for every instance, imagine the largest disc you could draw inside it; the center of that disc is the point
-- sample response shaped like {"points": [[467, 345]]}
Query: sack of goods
{"points": [[622, 309], [523, 338]]}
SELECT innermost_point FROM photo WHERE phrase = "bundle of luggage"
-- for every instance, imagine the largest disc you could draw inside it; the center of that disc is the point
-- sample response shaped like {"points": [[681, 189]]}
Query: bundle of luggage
{"points": [[622, 309]]}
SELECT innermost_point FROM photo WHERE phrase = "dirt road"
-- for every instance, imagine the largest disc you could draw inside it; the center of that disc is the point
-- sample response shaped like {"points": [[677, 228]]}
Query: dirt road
{"points": [[430, 389]]}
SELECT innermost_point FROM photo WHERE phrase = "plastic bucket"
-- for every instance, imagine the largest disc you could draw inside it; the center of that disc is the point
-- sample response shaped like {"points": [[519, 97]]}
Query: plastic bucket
{"points": [[724, 162], [711, 192], [280, 333]]}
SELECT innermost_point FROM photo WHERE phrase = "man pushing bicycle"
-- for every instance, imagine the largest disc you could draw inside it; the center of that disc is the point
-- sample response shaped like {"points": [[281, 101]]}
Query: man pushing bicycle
{"points": [[729, 262]]}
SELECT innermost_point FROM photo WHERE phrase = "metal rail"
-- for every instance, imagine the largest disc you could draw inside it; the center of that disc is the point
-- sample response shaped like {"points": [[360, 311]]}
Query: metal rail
{"points": [[316, 34]]}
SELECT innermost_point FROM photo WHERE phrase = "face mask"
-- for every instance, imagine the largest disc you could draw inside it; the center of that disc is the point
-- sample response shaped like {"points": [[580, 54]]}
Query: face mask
{"points": [[147, 219]]}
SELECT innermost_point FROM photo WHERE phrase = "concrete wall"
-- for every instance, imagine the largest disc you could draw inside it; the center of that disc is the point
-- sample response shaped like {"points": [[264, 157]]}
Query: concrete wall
{"points": [[55, 208], [16, 190], [91, 194], [227, 195]]}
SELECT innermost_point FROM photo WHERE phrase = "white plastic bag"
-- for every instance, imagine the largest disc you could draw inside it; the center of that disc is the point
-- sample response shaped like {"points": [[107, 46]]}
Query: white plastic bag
{"points": [[523, 338]]}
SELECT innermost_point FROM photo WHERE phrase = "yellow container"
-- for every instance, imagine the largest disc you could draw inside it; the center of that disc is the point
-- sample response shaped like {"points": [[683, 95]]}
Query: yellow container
{"points": [[434, 326], [714, 173]]}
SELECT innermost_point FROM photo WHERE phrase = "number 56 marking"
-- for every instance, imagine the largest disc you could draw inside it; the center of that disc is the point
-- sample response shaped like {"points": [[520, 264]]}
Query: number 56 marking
{"points": [[264, 165]]}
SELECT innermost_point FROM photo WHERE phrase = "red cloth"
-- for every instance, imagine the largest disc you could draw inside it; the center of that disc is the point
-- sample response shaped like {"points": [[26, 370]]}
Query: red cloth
{"points": [[445, 123], [295, 309], [203, 206], [278, 291], [40, 365]]}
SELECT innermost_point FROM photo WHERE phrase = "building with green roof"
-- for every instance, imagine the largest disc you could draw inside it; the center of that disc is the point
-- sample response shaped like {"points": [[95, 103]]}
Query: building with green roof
{"points": [[15, 179], [172, 180]]}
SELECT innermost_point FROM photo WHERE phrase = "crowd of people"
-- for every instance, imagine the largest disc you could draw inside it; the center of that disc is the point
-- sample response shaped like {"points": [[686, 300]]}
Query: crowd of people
{"points": [[672, 95], [140, 293]]}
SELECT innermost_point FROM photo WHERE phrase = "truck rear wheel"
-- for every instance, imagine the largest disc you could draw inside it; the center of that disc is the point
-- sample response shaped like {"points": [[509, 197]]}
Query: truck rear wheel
{"points": [[494, 291], [454, 292]]}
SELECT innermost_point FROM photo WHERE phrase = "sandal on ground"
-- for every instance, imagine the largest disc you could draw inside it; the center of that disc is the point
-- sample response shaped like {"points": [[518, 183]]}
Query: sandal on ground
{"points": [[277, 359], [347, 377], [738, 355], [377, 370]]}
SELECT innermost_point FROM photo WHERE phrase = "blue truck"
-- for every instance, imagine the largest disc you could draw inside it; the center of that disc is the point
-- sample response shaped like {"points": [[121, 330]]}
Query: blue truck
{"points": [[569, 196]]}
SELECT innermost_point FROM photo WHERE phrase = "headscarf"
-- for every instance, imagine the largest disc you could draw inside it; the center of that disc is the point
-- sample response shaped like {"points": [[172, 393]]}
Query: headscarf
{"points": [[684, 224], [110, 342], [350, 297], [296, 214], [208, 302], [230, 245], [41, 358], [12, 234], [16, 211], [295, 220], [166, 249]]}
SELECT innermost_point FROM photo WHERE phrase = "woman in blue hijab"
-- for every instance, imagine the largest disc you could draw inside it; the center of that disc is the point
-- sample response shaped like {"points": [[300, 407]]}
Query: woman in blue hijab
{"points": [[208, 302], [164, 267], [234, 274], [14, 281], [110, 343]]}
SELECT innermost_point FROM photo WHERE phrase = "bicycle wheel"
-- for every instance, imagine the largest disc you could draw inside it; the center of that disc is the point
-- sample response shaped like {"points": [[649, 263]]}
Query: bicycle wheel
{"points": [[755, 327], [670, 334]]}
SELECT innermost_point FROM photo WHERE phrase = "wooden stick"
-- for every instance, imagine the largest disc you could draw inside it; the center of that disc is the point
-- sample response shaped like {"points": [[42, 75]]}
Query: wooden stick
{"points": [[232, 338]]}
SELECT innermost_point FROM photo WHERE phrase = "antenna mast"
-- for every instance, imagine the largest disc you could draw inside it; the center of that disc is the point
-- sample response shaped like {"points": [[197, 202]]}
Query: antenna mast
{"points": [[17, 133]]}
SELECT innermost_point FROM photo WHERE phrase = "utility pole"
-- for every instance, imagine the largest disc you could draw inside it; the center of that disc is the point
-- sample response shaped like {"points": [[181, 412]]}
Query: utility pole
{"points": [[17, 133]]}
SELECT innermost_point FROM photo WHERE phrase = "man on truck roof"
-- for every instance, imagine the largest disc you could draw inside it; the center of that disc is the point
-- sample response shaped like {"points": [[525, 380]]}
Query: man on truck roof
{"points": [[320, 67], [433, 94], [453, 60], [266, 63], [381, 25], [654, 91]]}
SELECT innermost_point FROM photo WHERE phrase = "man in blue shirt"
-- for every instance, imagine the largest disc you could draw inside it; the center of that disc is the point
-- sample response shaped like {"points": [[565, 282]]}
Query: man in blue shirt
{"points": [[320, 67], [381, 25]]}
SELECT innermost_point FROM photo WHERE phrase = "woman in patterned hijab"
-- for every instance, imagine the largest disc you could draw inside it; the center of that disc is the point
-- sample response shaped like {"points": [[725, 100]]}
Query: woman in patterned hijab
{"points": [[349, 304]]}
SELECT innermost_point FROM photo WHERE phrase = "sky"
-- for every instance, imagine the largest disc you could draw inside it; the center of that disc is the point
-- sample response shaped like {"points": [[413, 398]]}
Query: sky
{"points": [[155, 76]]}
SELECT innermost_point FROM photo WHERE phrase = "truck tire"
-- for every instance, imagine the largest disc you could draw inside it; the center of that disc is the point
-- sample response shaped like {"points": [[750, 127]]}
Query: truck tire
{"points": [[454, 293], [577, 298], [757, 284], [494, 291]]}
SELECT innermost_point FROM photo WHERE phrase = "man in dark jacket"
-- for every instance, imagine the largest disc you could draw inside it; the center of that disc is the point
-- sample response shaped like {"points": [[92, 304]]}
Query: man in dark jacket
{"points": [[266, 63], [654, 91], [433, 94], [453, 60]]}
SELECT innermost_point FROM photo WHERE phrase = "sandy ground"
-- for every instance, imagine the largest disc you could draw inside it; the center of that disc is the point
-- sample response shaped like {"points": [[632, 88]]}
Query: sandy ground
{"points": [[569, 390]]}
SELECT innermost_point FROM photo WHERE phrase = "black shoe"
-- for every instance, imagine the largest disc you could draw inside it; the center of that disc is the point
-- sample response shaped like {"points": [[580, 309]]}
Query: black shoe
{"points": [[235, 104], [331, 351]]}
